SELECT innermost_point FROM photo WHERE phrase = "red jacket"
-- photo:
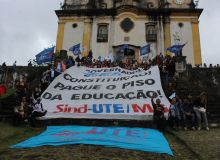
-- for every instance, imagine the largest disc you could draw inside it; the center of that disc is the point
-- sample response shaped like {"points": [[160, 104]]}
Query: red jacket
{"points": [[2, 90]]}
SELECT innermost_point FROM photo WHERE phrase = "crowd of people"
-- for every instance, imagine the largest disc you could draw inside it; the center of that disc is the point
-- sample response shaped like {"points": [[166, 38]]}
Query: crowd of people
{"points": [[22, 105], [180, 110]]}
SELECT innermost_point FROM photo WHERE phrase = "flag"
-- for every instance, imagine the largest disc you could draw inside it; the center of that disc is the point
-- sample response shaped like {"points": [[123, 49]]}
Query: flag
{"points": [[172, 96], [119, 56], [75, 49], [145, 50], [152, 55], [176, 48], [83, 49], [122, 49], [145, 58], [110, 56], [45, 56], [99, 58]]}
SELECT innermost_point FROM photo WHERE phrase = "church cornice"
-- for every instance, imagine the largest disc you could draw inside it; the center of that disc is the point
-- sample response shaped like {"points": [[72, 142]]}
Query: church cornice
{"points": [[125, 8]]}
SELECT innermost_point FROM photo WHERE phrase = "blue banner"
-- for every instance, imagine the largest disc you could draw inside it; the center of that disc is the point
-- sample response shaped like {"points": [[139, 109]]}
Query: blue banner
{"points": [[176, 48], [122, 137], [45, 56], [145, 50], [122, 49], [75, 49]]}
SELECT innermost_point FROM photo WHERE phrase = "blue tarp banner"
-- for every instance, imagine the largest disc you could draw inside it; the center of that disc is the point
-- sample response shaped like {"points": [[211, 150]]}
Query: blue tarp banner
{"points": [[123, 137], [45, 56]]}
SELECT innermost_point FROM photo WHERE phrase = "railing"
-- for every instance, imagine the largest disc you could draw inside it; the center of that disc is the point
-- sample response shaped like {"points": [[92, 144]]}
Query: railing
{"points": [[102, 38], [151, 37]]}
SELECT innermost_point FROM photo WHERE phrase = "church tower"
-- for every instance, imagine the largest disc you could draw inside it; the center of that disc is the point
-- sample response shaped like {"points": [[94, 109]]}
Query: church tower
{"points": [[106, 25]]}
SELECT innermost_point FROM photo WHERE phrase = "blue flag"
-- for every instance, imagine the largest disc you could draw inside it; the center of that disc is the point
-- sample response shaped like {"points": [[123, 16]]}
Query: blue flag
{"points": [[122, 137], [100, 57], [45, 56], [145, 50], [75, 49], [176, 48], [122, 49], [119, 56]]}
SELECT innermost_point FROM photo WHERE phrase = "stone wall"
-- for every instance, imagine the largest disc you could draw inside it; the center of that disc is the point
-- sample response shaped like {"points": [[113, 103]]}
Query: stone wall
{"points": [[206, 78], [10, 75]]}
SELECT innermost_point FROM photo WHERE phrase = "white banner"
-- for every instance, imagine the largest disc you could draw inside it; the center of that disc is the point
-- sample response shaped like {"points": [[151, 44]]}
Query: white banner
{"points": [[104, 93]]}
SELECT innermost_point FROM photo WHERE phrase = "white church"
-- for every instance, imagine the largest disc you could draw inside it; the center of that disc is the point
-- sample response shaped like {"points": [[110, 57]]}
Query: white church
{"points": [[104, 26]]}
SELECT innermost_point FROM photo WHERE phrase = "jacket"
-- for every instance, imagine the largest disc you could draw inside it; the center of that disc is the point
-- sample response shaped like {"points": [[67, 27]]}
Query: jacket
{"points": [[177, 111]]}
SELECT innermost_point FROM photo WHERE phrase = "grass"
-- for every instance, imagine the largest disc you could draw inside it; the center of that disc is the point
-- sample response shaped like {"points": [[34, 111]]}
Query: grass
{"points": [[205, 143], [13, 135], [8, 93]]}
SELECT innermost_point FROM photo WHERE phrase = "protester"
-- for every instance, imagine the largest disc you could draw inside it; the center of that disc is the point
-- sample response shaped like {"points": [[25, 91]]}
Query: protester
{"points": [[30, 64], [2, 91], [210, 66], [172, 88], [36, 93], [63, 67], [77, 60], [52, 73], [186, 112], [174, 115], [39, 87], [21, 88], [58, 64], [4, 64], [165, 72], [178, 101], [69, 62], [46, 76], [158, 114], [172, 67], [39, 111], [15, 63], [201, 110], [20, 112], [90, 53]]}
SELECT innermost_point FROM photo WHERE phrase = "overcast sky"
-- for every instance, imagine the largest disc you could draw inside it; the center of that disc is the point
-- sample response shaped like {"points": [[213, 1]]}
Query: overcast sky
{"points": [[28, 26]]}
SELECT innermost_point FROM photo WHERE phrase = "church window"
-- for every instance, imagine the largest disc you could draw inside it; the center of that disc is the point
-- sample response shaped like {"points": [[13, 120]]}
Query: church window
{"points": [[151, 35], [180, 25], [127, 25], [102, 33], [75, 25]]}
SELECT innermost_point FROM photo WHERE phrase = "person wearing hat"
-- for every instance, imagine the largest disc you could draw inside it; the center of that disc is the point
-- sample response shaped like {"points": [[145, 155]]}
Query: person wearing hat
{"points": [[39, 111]]}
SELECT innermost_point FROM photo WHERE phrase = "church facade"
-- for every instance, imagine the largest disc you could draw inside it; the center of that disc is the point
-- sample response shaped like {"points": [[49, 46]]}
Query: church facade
{"points": [[104, 26]]}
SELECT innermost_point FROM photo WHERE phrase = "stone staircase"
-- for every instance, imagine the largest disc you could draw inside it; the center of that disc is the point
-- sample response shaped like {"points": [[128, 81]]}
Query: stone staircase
{"points": [[185, 86]]}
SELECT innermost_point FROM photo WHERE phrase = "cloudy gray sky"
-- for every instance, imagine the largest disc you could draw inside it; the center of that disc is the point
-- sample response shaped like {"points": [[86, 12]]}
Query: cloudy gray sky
{"points": [[28, 26]]}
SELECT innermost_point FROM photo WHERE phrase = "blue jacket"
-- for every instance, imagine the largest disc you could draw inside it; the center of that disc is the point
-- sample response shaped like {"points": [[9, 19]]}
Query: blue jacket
{"points": [[177, 111]]}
